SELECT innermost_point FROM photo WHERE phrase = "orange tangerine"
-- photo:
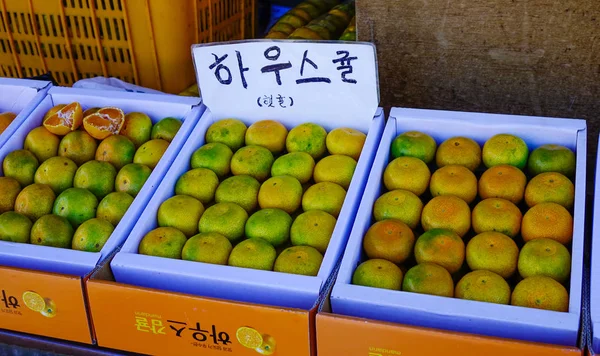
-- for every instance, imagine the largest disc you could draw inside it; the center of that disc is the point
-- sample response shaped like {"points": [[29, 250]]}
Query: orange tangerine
{"points": [[104, 122], [390, 240], [495, 214], [447, 212], [493, 251], [461, 151], [428, 278], [42, 143], [53, 111], [503, 181], [6, 118], [408, 173], [442, 247], [399, 204], [65, 120], [506, 149], [78, 146], [378, 273], [454, 180], [541, 292], [547, 220], [483, 286], [550, 187]]}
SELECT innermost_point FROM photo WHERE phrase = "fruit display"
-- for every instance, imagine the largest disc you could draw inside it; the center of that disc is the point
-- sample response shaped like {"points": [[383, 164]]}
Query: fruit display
{"points": [[77, 174], [316, 20], [258, 197], [6, 118], [491, 223]]}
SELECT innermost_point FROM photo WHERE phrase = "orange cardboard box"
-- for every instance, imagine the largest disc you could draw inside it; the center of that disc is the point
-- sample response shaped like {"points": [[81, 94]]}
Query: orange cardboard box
{"points": [[67, 319], [164, 323]]}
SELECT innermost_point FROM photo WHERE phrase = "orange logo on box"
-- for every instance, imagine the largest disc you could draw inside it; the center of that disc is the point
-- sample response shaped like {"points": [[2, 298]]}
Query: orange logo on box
{"points": [[379, 351]]}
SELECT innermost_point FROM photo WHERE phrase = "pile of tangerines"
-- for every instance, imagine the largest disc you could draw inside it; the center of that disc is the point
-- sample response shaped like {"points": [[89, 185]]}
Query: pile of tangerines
{"points": [[258, 197], [77, 175], [501, 231]]}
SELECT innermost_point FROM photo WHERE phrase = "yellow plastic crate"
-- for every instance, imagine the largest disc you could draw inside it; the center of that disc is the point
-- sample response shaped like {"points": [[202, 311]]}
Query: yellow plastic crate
{"points": [[145, 42]]}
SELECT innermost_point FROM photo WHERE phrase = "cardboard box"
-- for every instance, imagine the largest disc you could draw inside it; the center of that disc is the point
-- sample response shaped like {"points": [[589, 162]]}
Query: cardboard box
{"points": [[178, 294], [19, 96], [57, 273], [452, 314]]}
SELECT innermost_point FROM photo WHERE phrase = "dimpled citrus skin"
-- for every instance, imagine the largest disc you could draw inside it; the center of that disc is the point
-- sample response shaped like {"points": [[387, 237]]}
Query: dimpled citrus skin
{"points": [[493, 251], [163, 242], [230, 132], [550, 187], [337, 169], [454, 180], [303, 260], [308, 137], [447, 212], [495, 214], [505, 149], [255, 161], [378, 273], [503, 181], [441, 246], [299, 165], [552, 158], [414, 144], [547, 220], [541, 292], [267, 133], [545, 257], [428, 278], [326, 196], [483, 286], [345, 141], [9, 190], [399, 204], [390, 240], [282, 192], [407, 173], [460, 151], [254, 253]]}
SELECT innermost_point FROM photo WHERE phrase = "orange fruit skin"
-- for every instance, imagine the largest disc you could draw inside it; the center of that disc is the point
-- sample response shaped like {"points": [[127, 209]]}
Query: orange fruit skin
{"points": [[282, 192], [496, 214], [345, 141], [9, 190], [105, 122], [552, 158], [547, 220], [461, 151], [447, 212], [65, 120], [454, 180], [428, 278], [414, 144], [6, 118], [390, 240], [399, 204], [541, 292], [483, 286], [545, 257], [441, 246], [269, 134], [408, 173], [550, 187], [505, 149], [337, 169], [378, 273], [503, 181], [493, 251]]}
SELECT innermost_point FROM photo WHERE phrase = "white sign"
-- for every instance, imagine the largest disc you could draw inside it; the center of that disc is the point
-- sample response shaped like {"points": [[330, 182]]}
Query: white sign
{"points": [[271, 79]]}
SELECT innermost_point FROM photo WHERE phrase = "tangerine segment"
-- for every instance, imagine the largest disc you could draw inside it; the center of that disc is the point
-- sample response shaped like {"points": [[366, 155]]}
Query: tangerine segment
{"points": [[105, 122], [65, 120], [249, 337], [34, 301]]}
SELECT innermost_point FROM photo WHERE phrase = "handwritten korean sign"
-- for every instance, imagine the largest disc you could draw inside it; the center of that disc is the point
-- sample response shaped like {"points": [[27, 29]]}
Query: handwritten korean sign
{"points": [[268, 79]]}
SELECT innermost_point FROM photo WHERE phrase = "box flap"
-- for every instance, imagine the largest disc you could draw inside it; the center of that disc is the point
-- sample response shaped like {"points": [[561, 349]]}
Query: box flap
{"points": [[303, 80]]}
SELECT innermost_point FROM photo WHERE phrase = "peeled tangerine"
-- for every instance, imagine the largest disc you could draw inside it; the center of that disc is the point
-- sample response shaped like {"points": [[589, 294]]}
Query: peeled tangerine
{"points": [[105, 122], [65, 120]]}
